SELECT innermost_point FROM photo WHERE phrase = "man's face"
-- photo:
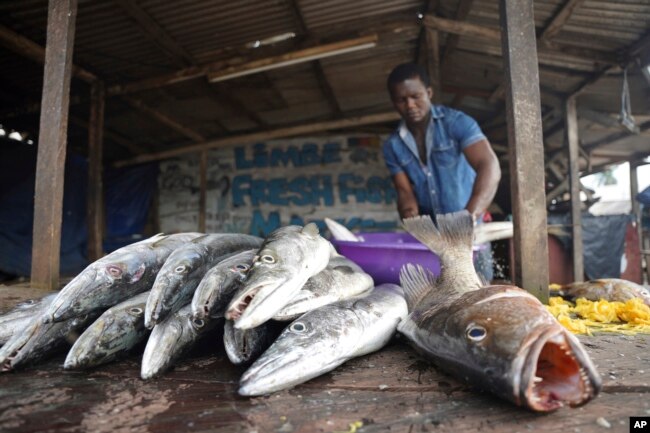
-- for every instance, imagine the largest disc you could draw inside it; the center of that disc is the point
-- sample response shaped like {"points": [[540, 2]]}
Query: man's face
{"points": [[412, 99]]}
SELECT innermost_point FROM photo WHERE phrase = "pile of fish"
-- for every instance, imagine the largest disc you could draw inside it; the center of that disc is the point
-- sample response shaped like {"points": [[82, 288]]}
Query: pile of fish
{"points": [[295, 309]]}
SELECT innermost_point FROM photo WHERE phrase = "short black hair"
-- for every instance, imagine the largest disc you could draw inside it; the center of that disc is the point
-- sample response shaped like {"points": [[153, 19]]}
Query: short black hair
{"points": [[406, 71]]}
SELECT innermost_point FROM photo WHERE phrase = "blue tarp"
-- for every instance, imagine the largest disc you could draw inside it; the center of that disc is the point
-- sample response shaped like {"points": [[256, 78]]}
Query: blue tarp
{"points": [[128, 193]]}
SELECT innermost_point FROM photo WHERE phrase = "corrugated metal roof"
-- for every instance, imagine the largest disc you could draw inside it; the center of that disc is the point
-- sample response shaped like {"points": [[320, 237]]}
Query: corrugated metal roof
{"points": [[114, 44]]}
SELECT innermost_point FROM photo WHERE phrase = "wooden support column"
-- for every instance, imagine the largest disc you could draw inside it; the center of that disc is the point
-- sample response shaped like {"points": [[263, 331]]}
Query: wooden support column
{"points": [[95, 196], [636, 208], [433, 64], [574, 180], [526, 147], [53, 131], [203, 180]]}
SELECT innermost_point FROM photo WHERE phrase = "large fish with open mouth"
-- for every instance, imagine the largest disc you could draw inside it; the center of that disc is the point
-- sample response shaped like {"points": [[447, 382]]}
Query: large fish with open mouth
{"points": [[288, 257], [21, 316], [171, 338], [244, 346], [341, 279], [322, 339], [218, 285], [500, 338], [115, 332], [116, 277], [38, 340], [609, 289], [185, 267]]}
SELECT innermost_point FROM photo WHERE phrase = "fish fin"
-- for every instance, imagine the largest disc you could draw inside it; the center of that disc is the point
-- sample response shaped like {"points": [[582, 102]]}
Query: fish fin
{"points": [[417, 282], [157, 238], [311, 229], [199, 238], [455, 231], [340, 232]]}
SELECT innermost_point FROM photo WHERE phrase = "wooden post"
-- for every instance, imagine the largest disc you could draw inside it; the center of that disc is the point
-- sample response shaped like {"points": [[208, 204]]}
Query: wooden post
{"points": [[526, 149], [433, 63], [636, 209], [95, 195], [574, 180], [203, 173], [53, 131]]}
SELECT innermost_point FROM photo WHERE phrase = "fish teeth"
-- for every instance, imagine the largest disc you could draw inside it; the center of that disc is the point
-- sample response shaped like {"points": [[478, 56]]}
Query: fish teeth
{"points": [[537, 379]]}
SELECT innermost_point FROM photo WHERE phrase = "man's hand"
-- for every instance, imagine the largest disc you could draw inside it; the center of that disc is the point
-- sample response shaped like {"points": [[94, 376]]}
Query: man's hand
{"points": [[407, 204]]}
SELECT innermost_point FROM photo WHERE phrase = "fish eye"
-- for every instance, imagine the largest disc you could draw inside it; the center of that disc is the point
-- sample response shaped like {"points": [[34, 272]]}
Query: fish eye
{"points": [[298, 327], [114, 271], [241, 267], [136, 311], [180, 269], [267, 258], [476, 332], [198, 323]]}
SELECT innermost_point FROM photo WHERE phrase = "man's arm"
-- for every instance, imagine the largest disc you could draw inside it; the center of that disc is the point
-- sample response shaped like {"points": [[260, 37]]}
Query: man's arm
{"points": [[488, 173], [407, 204]]}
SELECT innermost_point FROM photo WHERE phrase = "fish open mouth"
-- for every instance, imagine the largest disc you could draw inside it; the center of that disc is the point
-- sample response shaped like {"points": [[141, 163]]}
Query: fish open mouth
{"points": [[239, 305], [559, 373]]}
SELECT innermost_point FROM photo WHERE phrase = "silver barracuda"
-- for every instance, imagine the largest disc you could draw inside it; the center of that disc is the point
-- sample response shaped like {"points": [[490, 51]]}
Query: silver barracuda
{"points": [[286, 260], [171, 338], [39, 340], [114, 333], [341, 279], [116, 277], [218, 285], [21, 315], [322, 339], [499, 338], [180, 275], [244, 346]]}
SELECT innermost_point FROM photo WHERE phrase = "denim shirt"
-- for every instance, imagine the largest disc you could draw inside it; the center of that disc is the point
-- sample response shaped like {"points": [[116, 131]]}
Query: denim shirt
{"points": [[444, 182]]}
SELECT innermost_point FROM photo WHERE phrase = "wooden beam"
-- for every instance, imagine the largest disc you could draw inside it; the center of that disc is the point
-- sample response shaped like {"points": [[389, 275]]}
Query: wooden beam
{"points": [[433, 63], [611, 138], [203, 187], [112, 135], [464, 6], [574, 181], [559, 19], [50, 162], [95, 201], [31, 50], [265, 135], [163, 118], [224, 95], [526, 155], [293, 57], [154, 32]]}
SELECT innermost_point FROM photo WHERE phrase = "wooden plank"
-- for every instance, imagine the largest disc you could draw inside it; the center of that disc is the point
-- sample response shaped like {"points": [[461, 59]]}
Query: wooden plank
{"points": [[433, 64], [559, 19], [464, 6], [134, 148], [52, 140], [163, 118], [294, 57], [461, 28], [32, 50], [574, 180], [525, 142], [153, 31], [203, 189], [393, 390], [95, 204], [265, 135]]}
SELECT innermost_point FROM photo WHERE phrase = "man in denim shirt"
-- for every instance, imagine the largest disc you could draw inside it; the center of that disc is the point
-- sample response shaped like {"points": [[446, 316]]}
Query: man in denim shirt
{"points": [[439, 158]]}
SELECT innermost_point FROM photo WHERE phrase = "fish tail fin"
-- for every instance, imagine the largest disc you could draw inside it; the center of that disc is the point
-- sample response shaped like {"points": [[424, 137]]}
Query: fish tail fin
{"points": [[416, 282], [454, 232]]}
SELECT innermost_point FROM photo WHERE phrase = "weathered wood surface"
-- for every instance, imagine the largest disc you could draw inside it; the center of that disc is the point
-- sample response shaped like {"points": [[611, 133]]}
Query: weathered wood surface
{"points": [[52, 141], [526, 147], [392, 390]]}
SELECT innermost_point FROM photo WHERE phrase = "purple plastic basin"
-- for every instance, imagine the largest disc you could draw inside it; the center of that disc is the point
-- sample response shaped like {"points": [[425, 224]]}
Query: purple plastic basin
{"points": [[382, 255]]}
